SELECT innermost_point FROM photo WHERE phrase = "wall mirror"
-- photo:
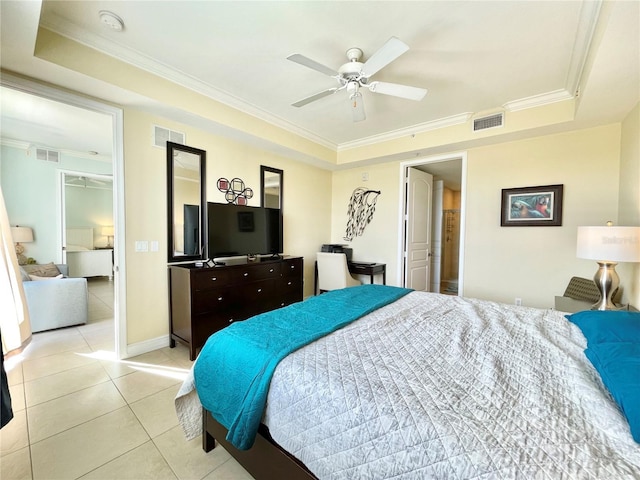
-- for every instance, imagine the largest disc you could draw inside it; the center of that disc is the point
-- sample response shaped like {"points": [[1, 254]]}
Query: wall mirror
{"points": [[186, 202], [271, 187]]}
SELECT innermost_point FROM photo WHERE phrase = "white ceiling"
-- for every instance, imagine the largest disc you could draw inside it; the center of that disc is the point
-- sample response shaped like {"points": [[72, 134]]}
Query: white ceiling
{"points": [[475, 56]]}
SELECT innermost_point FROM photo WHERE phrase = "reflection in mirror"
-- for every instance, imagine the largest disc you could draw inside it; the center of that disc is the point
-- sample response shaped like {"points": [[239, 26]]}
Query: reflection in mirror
{"points": [[185, 200], [271, 186]]}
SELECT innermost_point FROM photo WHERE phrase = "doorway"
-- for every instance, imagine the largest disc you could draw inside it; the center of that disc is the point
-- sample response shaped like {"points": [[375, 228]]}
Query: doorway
{"points": [[60, 104], [447, 212]]}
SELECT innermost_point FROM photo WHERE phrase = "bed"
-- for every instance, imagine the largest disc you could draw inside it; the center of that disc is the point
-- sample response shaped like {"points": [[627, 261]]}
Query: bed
{"points": [[435, 386], [83, 259]]}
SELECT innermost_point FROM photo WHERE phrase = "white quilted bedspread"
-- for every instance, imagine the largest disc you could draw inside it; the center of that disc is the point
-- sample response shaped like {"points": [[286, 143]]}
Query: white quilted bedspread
{"points": [[443, 387]]}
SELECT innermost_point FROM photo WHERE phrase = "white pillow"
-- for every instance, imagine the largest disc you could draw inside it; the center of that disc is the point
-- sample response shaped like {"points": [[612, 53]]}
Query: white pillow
{"points": [[35, 277]]}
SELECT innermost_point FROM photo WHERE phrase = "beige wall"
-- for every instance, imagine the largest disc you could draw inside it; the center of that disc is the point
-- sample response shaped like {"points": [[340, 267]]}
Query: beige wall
{"points": [[306, 194], [501, 263], [380, 241], [536, 263], [629, 198]]}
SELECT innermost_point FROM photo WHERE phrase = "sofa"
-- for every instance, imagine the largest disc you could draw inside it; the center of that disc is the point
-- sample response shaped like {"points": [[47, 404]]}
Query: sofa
{"points": [[54, 301]]}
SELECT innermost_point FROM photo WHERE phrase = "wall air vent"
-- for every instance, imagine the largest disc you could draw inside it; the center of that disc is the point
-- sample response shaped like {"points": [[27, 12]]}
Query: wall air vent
{"points": [[163, 135], [47, 155], [490, 121]]}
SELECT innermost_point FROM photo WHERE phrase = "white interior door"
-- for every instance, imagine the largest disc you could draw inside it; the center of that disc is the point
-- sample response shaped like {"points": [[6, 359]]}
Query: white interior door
{"points": [[419, 190]]}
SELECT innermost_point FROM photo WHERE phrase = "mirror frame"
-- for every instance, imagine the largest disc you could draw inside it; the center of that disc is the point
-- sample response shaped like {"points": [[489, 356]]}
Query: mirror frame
{"points": [[263, 170], [171, 148]]}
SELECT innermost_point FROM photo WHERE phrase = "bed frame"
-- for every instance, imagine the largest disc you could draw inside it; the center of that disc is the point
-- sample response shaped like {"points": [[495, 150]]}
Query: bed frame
{"points": [[265, 460]]}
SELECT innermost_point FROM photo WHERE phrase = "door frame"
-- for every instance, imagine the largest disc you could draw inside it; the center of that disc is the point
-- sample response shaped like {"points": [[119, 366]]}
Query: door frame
{"points": [[119, 241], [415, 162], [62, 201]]}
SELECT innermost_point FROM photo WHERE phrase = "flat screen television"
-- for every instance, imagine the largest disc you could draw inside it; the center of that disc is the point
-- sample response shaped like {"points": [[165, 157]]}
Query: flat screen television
{"points": [[235, 230]]}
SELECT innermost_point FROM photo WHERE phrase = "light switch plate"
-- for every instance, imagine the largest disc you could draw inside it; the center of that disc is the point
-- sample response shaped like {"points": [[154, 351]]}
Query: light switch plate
{"points": [[142, 246]]}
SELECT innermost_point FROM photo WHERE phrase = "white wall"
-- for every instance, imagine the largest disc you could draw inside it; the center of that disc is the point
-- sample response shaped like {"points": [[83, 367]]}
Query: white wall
{"points": [[31, 188]]}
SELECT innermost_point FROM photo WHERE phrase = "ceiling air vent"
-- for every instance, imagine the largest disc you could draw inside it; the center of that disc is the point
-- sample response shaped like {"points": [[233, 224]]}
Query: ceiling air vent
{"points": [[491, 121], [163, 135], [47, 155]]}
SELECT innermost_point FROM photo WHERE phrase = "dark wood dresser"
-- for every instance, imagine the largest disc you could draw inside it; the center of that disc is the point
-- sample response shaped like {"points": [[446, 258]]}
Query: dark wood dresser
{"points": [[205, 300]]}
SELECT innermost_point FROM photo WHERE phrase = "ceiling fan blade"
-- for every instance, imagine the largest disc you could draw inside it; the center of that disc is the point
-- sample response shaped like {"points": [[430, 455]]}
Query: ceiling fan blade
{"points": [[403, 91], [313, 98], [357, 107], [391, 50], [307, 62]]}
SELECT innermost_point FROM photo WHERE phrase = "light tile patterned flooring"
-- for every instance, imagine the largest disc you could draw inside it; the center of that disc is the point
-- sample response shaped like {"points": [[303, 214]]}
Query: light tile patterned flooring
{"points": [[79, 414]]}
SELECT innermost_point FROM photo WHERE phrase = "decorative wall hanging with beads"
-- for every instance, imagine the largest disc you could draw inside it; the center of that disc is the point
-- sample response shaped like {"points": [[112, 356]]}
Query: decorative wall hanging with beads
{"points": [[362, 205], [234, 191]]}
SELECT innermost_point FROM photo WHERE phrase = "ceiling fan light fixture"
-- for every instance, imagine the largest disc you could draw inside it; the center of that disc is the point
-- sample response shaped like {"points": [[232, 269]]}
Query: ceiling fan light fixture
{"points": [[357, 106], [354, 74]]}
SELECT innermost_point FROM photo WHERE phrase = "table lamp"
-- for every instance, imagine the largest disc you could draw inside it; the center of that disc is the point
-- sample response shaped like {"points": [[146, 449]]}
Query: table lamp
{"points": [[608, 246], [21, 235], [108, 232]]}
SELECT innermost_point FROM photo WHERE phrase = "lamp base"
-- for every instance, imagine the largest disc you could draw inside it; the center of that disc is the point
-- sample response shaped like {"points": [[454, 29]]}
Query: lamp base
{"points": [[607, 281], [22, 260]]}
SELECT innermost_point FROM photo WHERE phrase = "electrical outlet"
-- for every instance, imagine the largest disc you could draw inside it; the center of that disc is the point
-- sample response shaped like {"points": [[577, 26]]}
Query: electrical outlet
{"points": [[518, 301]]}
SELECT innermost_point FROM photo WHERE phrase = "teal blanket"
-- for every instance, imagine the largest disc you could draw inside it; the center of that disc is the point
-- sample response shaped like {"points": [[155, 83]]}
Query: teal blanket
{"points": [[234, 369]]}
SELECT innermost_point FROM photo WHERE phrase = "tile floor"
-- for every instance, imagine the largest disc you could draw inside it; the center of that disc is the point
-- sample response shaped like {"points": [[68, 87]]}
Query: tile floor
{"points": [[79, 414]]}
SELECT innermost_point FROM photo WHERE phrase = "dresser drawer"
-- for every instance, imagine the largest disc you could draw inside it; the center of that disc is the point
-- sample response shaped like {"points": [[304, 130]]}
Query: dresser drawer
{"points": [[259, 297], [292, 267], [290, 291], [209, 278], [207, 324], [215, 300], [252, 272]]}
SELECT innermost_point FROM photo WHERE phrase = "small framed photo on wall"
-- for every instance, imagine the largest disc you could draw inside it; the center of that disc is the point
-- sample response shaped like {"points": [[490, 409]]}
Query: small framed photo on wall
{"points": [[532, 206]]}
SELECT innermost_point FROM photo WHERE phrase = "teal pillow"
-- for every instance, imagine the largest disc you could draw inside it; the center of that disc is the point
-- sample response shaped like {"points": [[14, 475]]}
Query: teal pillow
{"points": [[603, 326], [619, 367]]}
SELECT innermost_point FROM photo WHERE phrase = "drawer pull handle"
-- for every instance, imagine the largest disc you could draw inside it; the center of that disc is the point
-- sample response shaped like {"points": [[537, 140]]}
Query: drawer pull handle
{"points": [[246, 274], [259, 290], [231, 320], [213, 279], [289, 283], [271, 270], [292, 267], [219, 299]]}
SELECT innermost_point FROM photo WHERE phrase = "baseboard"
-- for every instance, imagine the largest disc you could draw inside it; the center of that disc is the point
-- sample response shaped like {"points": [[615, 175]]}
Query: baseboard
{"points": [[146, 346]]}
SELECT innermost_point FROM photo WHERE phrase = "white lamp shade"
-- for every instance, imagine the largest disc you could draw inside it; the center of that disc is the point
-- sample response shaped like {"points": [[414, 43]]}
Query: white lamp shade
{"points": [[22, 234], [613, 244], [107, 231]]}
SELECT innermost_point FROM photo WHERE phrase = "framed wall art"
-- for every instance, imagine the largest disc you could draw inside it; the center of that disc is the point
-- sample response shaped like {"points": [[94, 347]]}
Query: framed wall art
{"points": [[532, 206]]}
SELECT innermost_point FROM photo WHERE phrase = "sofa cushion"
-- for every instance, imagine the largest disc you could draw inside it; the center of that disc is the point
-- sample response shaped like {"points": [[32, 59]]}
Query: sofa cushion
{"points": [[46, 270], [36, 277], [24, 275]]}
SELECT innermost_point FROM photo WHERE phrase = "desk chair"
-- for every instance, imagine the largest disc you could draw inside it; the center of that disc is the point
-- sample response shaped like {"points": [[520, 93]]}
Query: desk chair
{"points": [[333, 272]]}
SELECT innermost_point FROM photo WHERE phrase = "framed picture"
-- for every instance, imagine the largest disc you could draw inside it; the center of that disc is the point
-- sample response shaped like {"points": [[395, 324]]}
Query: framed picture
{"points": [[532, 206]]}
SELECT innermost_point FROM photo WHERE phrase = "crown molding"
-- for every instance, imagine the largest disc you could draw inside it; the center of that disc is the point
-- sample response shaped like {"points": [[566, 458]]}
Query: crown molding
{"points": [[409, 131], [110, 47], [27, 146], [538, 100], [589, 16]]}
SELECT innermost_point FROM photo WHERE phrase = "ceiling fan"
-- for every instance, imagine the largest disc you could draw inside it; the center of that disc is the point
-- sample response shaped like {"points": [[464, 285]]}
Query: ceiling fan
{"points": [[354, 75]]}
